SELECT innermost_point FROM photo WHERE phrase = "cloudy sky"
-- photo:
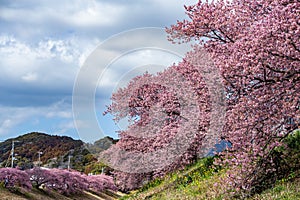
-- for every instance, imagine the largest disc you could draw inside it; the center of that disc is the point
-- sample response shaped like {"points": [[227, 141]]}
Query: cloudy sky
{"points": [[45, 44]]}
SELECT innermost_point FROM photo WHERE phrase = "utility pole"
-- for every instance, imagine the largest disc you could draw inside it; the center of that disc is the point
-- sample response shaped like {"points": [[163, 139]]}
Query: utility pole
{"points": [[12, 153], [69, 158], [39, 157], [69, 161]]}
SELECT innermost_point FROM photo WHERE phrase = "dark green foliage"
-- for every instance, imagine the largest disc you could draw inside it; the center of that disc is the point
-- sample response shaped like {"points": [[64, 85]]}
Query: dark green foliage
{"points": [[285, 159], [293, 150], [151, 184]]}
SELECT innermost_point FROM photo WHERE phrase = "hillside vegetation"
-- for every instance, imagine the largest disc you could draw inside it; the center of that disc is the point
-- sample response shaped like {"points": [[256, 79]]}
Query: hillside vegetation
{"points": [[55, 151], [205, 180], [27, 147], [202, 181]]}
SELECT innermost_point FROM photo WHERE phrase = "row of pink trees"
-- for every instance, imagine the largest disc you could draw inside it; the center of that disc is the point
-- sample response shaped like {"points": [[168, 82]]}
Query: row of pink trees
{"points": [[255, 45], [61, 180]]}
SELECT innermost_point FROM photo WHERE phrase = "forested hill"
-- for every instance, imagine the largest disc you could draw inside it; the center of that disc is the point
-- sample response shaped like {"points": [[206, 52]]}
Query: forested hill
{"points": [[27, 146], [55, 150]]}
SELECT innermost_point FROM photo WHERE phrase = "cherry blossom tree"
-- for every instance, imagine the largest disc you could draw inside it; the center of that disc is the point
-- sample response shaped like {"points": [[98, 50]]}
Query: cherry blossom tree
{"points": [[169, 116], [68, 182], [40, 177], [101, 182], [12, 177], [256, 46]]}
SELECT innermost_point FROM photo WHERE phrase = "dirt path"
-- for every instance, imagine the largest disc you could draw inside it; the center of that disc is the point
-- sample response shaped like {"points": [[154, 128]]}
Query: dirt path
{"points": [[93, 195], [40, 195]]}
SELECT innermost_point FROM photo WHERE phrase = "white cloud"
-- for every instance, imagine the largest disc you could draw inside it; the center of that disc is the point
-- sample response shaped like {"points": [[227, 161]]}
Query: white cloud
{"points": [[66, 50], [50, 61], [64, 127], [7, 123], [11, 117], [93, 14], [78, 13], [44, 43], [60, 114], [59, 109], [119, 73], [30, 77]]}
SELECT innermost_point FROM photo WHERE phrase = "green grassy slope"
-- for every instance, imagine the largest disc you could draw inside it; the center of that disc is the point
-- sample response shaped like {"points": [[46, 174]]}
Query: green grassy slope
{"points": [[201, 182]]}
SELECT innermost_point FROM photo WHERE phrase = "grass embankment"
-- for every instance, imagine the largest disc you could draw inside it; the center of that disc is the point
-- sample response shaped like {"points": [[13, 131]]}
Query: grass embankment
{"points": [[201, 181]]}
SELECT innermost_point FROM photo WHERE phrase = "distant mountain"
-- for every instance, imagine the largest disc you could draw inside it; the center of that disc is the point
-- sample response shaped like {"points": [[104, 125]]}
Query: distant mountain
{"points": [[101, 144], [56, 151], [27, 147]]}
